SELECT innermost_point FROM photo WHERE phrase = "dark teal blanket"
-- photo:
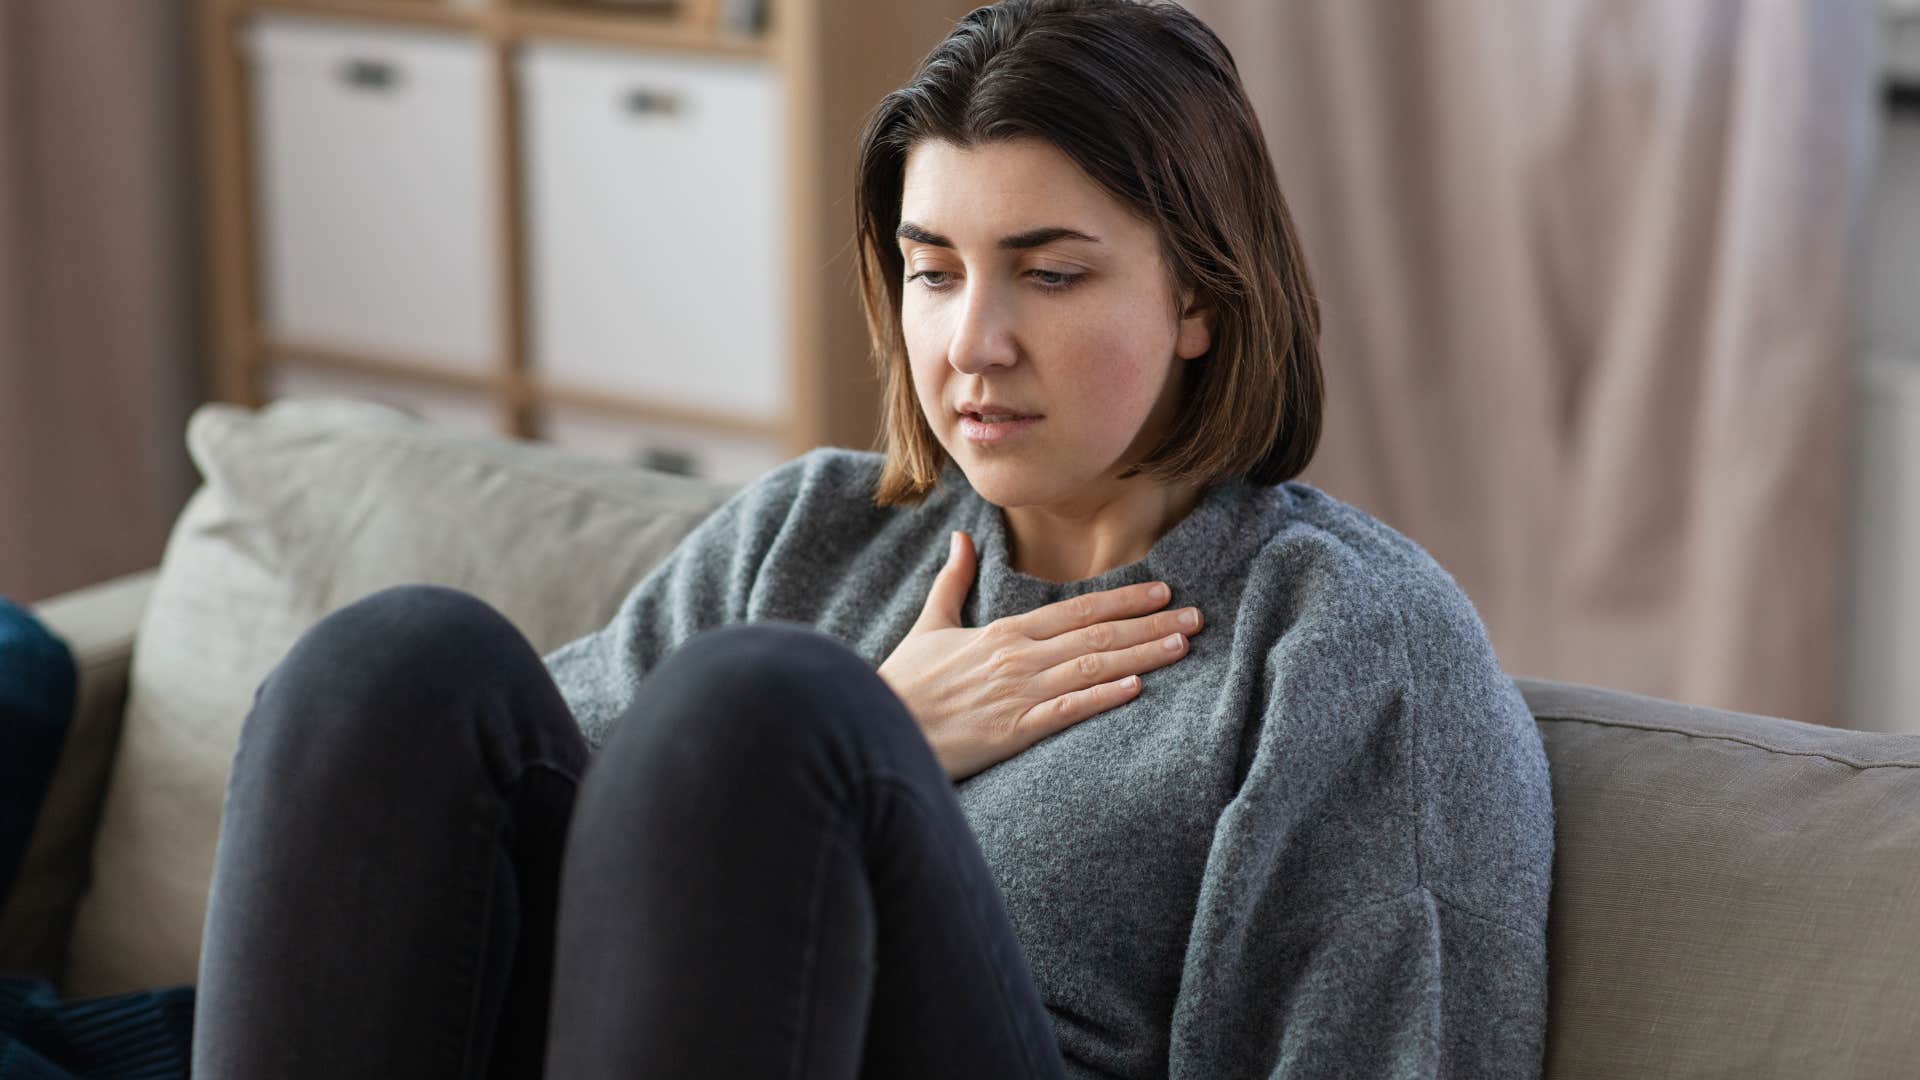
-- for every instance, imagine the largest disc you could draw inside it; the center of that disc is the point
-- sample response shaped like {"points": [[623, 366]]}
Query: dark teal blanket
{"points": [[37, 687], [139, 1036], [146, 1035]]}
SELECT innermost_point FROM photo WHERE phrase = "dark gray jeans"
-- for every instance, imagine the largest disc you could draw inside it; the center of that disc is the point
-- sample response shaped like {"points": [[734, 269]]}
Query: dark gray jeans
{"points": [[767, 872]]}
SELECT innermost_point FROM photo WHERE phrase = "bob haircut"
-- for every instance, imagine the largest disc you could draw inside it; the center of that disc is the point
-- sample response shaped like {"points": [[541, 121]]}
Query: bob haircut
{"points": [[1145, 99]]}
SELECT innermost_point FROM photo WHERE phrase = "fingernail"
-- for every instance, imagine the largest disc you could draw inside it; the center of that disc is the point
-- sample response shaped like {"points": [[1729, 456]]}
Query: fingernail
{"points": [[1158, 592], [1189, 618], [953, 546], [1172, 642]]}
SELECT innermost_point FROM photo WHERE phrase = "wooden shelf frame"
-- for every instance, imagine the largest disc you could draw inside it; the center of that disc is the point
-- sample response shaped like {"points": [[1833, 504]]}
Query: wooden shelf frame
{"points": [[834, 59], [527, 392], [691, 25]]}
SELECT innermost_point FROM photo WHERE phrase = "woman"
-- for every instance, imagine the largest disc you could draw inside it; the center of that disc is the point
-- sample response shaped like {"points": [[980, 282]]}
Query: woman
{"points": [[903, 763]]}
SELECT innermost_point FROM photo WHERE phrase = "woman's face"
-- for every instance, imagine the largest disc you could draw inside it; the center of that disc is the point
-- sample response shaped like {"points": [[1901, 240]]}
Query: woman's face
{"points": [[1032, 291]]}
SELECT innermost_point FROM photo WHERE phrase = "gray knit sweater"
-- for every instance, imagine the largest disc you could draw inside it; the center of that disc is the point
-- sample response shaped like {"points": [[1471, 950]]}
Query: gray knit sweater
{"points": [[1317, 846]]}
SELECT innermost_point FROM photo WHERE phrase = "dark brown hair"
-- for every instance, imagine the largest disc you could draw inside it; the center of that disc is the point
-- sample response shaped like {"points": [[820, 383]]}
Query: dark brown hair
{"points": [[1145, 99]]}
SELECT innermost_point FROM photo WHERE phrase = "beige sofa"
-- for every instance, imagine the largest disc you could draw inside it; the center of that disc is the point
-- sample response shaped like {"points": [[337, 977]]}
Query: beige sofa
{"points": [[1734, 895]]}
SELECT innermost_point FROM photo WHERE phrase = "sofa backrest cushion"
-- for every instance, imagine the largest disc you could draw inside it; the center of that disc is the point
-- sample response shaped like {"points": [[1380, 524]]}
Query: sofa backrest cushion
{"points": [[1733, 895], [308, 505]]}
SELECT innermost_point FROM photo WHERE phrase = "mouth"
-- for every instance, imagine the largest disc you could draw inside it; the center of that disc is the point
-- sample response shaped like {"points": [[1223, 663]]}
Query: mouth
{"points": [[990, 429]]}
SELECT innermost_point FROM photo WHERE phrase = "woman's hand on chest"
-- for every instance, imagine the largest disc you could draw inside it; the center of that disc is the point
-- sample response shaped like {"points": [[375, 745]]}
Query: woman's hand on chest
{"points": [[982, 695]]}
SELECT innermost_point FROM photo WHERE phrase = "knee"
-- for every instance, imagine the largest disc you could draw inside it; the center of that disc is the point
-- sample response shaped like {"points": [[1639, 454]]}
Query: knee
{"points": [[404, 651], [404, 636], [777, 692], [754, 664]]}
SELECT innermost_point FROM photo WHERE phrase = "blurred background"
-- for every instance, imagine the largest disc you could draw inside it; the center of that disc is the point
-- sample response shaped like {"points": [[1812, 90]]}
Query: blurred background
{"points": [[1622, 297]]}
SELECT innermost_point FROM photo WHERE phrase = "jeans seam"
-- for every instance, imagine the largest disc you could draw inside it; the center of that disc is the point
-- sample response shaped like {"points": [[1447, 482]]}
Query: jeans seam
{"points": [[492, 844], [810, 958], [905, 788], [549, 765], [470, 976]]}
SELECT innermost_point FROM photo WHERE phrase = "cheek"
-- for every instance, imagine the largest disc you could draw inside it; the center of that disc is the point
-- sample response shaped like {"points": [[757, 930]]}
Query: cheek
{"points": [[928, 387], [925, 371], [923, 355], [1116, 379]]}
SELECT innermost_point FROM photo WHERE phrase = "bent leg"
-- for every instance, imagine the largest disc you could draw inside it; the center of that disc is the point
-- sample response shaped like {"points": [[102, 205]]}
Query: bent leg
{"points": [[388, 864], [769, 874]]}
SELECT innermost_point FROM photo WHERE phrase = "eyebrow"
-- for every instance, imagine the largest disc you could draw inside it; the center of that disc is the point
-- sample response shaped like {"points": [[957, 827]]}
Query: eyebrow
{"points": [[1032, 238]]}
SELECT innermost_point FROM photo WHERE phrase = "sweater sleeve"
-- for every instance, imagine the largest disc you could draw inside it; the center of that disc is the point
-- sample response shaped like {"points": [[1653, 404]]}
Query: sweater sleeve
{"points": [[707, 580], [1396, 782]]}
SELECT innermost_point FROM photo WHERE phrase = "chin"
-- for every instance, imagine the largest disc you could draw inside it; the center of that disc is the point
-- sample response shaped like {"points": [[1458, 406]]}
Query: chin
{"points": [[1008, 483]]}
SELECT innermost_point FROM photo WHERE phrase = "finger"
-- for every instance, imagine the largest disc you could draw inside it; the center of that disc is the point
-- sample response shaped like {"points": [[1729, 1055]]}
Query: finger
{"points": [[1091, 669], [950, 586], [1060, 713], [1079, 611], [1119, 634]]}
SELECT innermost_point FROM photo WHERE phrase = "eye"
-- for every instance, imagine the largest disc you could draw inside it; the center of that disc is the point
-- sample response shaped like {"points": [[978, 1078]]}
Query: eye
{"points": [[1060, 281], [1050, 280], [930, 286]]}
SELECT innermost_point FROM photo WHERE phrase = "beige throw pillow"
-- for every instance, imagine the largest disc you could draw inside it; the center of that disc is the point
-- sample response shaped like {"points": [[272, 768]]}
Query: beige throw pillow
{"points": [[308, 505]]}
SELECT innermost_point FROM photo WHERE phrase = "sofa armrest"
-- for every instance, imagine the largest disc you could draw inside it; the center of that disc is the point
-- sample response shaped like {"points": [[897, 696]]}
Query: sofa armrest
{"points": [[98, 624]]}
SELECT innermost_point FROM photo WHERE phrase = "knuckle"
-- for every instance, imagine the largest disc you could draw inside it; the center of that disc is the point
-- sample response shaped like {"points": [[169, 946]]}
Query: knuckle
{"points": [[1082, 607], [1099, 636], [1087, 664], [1001, 660]]}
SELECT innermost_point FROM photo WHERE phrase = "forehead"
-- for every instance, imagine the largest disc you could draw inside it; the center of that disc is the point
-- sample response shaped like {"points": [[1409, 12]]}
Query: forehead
{"points": [[1000, 184]]}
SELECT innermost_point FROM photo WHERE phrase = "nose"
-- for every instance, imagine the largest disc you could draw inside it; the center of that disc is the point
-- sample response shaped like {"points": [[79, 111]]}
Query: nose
{"points": [[983, 338]]}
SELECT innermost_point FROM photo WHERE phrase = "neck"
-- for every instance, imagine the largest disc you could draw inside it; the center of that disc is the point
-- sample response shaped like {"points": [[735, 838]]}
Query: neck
{"points": [[1087, 536]]}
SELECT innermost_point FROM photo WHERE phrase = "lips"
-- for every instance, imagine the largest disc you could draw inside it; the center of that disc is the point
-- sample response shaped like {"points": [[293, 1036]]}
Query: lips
{"points": [[998, 412]]}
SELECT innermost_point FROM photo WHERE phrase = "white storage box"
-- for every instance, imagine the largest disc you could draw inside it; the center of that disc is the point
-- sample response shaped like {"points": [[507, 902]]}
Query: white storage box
{"points": [[453, 408], [373, 158], [655, 229], [702, 452]]}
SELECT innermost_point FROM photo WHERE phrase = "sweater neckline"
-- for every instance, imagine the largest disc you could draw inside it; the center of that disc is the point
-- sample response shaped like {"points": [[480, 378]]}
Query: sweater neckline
{"points": [[1173, 557]]}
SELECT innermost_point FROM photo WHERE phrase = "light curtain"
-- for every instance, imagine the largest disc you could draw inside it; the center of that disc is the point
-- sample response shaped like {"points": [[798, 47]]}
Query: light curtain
{"points": [[1589, 277], [98, 288]]}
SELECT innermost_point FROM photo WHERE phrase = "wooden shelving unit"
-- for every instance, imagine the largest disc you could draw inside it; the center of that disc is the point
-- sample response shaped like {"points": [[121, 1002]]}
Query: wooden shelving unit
{"points": [[832, 60]]}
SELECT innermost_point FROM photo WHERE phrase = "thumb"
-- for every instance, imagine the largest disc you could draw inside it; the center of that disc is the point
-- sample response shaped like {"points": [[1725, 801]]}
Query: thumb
{"points": [[949, 590]]}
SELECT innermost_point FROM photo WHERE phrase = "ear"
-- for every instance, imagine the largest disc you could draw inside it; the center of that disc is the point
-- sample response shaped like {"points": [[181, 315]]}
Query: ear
{"points": [[1196, 325]]}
